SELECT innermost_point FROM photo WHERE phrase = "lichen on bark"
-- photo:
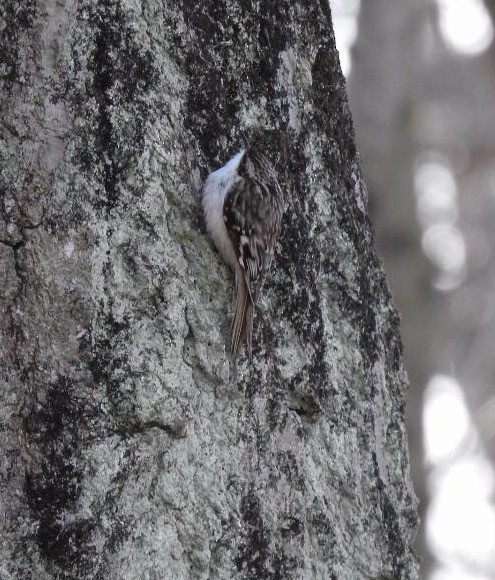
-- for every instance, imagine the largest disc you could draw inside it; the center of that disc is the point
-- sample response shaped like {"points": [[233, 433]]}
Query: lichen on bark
{"points": [[135, 447]]}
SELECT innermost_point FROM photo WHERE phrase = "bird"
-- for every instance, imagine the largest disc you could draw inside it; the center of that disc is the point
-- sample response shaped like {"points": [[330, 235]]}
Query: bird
{"points": [[243, 206]]}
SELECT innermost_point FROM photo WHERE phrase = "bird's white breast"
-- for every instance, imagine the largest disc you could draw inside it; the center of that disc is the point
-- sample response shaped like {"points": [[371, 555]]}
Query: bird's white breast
{"points": [[215, 189]]}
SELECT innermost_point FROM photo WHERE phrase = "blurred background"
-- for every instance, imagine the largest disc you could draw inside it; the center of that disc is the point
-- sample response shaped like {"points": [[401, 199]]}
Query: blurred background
{"points": [[421, 86]]}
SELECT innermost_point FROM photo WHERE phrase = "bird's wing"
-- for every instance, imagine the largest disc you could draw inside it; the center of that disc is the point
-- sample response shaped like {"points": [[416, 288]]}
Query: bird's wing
{"points": [[253, 227]]}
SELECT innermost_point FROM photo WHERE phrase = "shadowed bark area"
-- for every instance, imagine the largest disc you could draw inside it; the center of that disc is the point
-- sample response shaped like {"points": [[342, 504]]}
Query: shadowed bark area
{"points": [[133, 446]]}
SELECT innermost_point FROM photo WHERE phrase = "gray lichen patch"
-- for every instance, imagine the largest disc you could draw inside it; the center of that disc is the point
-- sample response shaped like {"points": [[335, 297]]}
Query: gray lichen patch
{"points": [[135, 446]]}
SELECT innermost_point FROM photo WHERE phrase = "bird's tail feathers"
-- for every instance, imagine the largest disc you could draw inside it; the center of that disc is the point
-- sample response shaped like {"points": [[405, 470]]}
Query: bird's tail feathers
{"points": [[242, 323], [248, 327]]}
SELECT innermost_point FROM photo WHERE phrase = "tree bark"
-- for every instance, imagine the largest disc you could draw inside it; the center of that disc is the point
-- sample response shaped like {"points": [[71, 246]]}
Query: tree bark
{"points": [[133, 445]]}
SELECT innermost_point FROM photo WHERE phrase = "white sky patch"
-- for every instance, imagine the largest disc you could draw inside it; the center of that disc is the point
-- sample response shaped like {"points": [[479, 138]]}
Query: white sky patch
{"points": [[445, 246], [436, 205], [436, 193], [460, 523], [465, 25], [461, 518], [445, 418], [344, 16], [449, 573]]}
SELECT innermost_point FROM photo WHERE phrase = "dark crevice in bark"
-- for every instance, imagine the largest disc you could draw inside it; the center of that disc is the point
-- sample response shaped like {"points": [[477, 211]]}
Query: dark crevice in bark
{"points": [[398, 550], [177, 430], [214, 100], [123, 77], [18, 19], [57, 426], [107, 365], [305, 405], [10, 128], [254, 551], [300, 255]]}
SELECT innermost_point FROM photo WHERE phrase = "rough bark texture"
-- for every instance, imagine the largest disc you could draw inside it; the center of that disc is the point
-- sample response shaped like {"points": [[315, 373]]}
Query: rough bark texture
{"points": [[133, 446]]}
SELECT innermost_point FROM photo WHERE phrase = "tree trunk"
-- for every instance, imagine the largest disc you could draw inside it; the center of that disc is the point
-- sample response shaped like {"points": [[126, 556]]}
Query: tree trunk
{"points": [[133, 446]]}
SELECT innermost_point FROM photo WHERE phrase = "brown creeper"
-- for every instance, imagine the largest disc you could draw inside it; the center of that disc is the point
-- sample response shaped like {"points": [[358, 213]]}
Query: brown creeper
{"points": [[243, 206]]}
